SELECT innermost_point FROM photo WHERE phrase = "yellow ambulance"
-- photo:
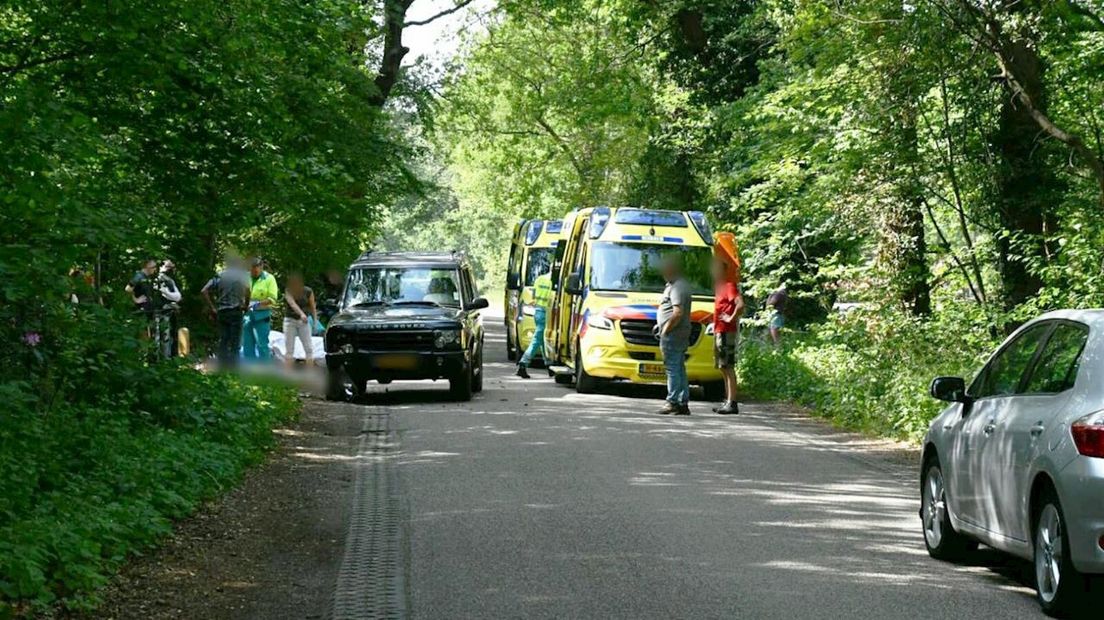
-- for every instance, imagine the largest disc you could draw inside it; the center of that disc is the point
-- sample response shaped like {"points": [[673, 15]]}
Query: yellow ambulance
{"points": [[608, 287], [531, 251]]}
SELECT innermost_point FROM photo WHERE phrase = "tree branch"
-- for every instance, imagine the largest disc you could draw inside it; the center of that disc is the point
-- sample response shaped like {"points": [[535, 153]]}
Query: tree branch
{"points": [[394, 18], [422, 22]]}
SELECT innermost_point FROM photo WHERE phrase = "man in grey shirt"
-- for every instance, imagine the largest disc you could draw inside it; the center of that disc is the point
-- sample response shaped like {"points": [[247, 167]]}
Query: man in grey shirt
{"points": [[232, 291], [673, 325]]}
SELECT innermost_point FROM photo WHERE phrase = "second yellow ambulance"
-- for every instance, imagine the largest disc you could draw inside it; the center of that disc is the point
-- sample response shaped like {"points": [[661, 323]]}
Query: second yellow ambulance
{"points": [[608, 286]]}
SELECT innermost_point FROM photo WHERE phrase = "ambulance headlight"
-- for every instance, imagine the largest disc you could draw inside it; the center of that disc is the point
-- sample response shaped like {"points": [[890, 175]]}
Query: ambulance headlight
{"points": [[598, 321]]}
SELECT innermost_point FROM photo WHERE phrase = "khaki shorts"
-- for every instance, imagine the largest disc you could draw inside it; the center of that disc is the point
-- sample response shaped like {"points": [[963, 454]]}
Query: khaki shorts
{"points": [[724, 349]]}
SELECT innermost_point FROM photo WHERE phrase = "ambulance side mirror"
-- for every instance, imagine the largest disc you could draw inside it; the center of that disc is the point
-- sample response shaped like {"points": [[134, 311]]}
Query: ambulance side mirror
{"points": [[574, 284]]}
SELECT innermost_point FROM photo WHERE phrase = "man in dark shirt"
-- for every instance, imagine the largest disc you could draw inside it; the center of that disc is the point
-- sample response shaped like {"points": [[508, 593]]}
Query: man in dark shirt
{"points": [[141, 287], [231, 289]]}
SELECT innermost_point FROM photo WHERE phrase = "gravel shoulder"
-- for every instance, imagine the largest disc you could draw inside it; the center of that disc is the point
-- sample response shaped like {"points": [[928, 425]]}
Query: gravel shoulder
{"points": [[268, 548]]}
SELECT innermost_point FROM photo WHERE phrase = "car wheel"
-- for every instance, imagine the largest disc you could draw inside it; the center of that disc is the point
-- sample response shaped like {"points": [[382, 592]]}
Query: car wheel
{"points": [[940, 537], [477, 370], [340, 387], [714, 391], [1057, 582], [584, 383], [461, 386]]}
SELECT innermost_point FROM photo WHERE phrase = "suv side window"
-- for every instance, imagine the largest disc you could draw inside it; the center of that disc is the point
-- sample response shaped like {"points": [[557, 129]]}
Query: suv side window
{"points": [[1003, 374], [468, 285], [1056, 370]]}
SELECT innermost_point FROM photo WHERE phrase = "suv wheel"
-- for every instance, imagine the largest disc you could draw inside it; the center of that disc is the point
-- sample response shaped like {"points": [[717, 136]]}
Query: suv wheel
{"points": [[462, 386], [477, 372], [340, 387], [940, 537]]}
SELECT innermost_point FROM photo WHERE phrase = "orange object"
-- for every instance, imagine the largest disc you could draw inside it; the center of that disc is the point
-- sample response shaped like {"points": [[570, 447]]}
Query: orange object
{"points": [[728, 252]]}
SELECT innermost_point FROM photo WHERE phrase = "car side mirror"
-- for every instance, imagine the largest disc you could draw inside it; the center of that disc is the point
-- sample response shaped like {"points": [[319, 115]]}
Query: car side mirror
{"points": [[480, 303], [574, 284], [513, 282], [949, 389]]}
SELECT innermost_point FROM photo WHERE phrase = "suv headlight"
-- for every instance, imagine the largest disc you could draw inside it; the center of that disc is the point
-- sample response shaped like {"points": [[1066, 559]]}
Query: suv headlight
{"points": [[338, 341], [443, 338], [598, 321]]}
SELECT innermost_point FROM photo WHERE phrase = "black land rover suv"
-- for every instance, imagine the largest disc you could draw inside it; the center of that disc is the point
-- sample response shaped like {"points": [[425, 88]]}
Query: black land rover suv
{"points": [[406, 315]]}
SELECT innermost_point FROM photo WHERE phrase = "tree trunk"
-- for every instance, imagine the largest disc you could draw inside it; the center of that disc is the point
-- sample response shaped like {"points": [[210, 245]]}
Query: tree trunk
{"points": [[394, 21], [1023, 181], [903, 245]]}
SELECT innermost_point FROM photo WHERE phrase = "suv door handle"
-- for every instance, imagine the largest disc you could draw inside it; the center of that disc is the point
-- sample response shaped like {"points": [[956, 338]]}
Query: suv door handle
{"points": [[989, 428], [1037, 429]]}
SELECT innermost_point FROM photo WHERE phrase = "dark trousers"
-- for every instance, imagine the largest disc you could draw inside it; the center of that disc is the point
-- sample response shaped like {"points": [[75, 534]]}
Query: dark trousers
{"points": [[230, 331]]}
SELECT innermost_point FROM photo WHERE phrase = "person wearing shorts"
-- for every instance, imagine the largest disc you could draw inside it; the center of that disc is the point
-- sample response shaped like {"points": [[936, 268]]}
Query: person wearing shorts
{"points": [[727, 308]]}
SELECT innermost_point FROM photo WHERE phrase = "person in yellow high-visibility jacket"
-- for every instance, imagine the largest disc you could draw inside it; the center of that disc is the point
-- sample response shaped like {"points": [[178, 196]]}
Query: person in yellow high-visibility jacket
{"points": [[542, 300]]}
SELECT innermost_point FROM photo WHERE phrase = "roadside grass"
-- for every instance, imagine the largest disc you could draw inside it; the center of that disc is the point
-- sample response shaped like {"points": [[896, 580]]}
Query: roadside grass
{"points": [[85, 486], [866, 372]]}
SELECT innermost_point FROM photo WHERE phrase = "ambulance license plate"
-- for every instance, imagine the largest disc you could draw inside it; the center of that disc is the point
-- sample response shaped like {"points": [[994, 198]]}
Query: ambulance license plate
{"points": [[652, 370]]}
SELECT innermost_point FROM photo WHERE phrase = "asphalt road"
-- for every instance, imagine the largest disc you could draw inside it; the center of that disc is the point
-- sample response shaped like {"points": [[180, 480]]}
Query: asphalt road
{"points": [[535, 502]]}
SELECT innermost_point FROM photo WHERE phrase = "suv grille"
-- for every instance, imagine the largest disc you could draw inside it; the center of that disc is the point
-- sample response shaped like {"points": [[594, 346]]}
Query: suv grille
{"points": [[636, 331], [392, 340]]}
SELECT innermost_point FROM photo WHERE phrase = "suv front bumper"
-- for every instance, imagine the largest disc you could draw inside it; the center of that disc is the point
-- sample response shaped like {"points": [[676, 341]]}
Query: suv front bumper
{"points": [[400, 365]]}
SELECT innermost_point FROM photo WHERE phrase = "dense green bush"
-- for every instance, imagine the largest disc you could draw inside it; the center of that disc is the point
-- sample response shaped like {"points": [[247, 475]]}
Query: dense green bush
{"points": [[867, 371], [100, 450]]}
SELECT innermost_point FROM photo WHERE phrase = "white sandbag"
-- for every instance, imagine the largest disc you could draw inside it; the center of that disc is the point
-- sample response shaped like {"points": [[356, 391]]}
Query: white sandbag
{"points": [[276, 342]]}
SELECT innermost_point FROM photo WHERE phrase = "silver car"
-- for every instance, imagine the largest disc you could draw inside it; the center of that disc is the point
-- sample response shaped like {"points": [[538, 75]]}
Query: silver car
{"points": [[1017, 459]]}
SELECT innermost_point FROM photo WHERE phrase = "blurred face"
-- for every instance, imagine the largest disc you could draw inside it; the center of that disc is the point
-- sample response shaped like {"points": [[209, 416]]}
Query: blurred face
{"points": [[150, 267], [669, 268], [256, 270], [717, 268], [295, 282]]}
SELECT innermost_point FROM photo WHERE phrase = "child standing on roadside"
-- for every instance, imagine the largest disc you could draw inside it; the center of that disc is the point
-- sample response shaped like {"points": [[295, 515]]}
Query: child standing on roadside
{"points": [[727, 310]]}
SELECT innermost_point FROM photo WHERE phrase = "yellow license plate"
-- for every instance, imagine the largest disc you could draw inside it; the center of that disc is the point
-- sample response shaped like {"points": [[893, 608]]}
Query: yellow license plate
{"points": [[652, 369], [396, 362]]}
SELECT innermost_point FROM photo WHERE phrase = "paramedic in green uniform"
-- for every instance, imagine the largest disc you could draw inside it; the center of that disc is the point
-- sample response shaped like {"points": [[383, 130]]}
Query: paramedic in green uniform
{"points": [[542, 299]]}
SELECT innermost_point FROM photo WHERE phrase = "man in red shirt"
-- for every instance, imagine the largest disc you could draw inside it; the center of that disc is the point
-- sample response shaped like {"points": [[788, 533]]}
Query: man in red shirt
{"points": [[727, 309]]}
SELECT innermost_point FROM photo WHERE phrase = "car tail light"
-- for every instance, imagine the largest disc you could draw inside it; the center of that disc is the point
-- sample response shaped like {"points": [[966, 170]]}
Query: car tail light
{"points": [[1088, 434]]}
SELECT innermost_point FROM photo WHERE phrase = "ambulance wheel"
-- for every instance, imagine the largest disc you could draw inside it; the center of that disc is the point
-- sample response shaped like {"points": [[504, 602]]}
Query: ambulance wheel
{"points": [[584, 383], [511, 348], [714, 391]]}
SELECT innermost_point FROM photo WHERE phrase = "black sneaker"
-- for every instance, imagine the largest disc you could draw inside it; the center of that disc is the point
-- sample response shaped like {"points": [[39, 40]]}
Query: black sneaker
{"points": [[669, 409], [729, 408], [522, 372], [683, 410]]}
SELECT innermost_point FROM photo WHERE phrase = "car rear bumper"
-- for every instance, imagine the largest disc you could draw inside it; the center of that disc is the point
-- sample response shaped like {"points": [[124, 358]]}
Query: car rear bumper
{"points": [[400, 365], [1081, 489]]}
